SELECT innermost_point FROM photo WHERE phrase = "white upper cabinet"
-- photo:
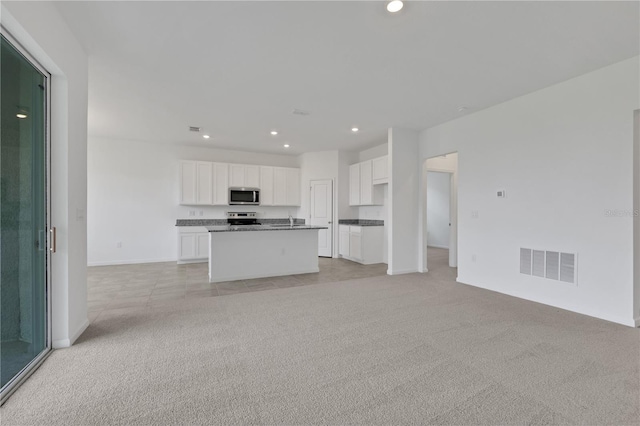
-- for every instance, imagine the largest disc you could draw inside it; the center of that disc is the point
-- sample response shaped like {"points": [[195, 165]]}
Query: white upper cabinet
{"points": [[354, 185], [366, 183], [206, 183], [293, 187], [220, 184], [188, 182], [279, 186], [286, 186], [236, 175], [266, 186], [252, 176], [380, 170], [241, 175], [361, 189]]}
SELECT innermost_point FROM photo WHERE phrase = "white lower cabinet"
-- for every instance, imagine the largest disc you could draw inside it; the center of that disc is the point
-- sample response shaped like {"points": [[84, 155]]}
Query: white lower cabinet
{"points": [[343, 248], [362, 244], [193, 244]]}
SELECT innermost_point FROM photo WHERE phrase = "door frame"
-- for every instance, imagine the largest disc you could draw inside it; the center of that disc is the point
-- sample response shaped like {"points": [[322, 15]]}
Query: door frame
{"points": [[453, 211], [333, 205], [32, 366]]}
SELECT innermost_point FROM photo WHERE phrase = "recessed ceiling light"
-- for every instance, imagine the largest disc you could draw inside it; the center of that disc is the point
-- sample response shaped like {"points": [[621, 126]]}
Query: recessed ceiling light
{"points": [[21, 115], [206, 136], [355, 129], [274, 132], [286, 145], [394, 6]]}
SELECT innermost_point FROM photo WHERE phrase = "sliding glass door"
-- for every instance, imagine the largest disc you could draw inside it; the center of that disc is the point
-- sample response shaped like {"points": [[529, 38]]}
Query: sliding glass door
{"points": [[24, 295]]}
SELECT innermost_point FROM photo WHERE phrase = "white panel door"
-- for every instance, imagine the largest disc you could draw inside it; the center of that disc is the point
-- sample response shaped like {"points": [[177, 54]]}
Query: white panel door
{"points": [[204, 191], [354, 185], [279, 186], [188, 182], [293, 187], [236, 175], [252, 176], [266, 186], [321, 214], [366, 183], [221, 184]]}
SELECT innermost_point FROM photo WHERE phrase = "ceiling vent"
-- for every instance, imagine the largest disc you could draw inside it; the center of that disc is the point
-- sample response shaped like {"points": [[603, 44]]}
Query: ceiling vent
{"points": [[300, 112], [195, 129]]}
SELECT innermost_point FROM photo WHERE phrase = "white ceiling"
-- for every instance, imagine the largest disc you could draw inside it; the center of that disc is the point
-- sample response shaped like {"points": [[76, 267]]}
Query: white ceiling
{"points": [[238, 69]]}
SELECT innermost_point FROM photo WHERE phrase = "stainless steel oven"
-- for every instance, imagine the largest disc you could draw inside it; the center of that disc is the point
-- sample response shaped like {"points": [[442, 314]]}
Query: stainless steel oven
{"points": [[244, 196]]}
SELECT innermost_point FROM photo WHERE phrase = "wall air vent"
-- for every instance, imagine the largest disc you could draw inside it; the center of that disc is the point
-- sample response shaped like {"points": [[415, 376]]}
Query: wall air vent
{"points": [[553, 265], [300, 112], [549, 264], [195, 129], [538, 263], [525, 261], [567, 267]]}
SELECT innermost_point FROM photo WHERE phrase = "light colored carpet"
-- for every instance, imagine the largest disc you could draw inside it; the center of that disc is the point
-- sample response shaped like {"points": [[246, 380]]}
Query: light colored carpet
{"points": [[413, 349]]}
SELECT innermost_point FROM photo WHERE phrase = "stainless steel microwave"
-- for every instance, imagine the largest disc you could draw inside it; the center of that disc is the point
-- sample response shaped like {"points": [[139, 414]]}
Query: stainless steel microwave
{"points": [[244, 196]]}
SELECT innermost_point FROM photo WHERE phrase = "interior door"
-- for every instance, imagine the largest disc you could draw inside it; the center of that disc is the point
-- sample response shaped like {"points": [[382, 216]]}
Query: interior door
{"points": [[321, 214], [24, 252]]}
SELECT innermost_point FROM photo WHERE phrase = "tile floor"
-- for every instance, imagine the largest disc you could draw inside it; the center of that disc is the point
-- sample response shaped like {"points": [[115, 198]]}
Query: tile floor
{"points": [[121, 288]]}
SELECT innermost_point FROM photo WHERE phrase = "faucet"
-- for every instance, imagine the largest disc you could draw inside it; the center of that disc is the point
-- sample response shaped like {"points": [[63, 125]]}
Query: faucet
{"points": [[290, 220]]}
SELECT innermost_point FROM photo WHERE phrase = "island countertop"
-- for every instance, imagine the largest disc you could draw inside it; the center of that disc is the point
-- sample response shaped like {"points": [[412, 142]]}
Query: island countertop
{"points": [[273, 227]]}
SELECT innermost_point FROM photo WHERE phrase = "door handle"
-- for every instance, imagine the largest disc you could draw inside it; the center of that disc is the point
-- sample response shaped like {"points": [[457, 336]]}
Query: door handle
{"points": [[329, 222], [53, 233]]}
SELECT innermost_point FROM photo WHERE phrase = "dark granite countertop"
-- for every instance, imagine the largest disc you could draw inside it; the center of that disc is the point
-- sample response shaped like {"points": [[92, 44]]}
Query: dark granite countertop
{"points": [[223, 222], [272, 227], [361, 222]]}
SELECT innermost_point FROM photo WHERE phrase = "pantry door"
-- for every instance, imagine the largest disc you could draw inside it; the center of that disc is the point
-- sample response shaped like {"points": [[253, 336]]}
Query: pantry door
{"points": [[321, 214]]}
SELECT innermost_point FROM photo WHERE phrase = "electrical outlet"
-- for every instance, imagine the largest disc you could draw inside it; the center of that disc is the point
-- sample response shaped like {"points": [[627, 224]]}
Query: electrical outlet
{"points": [[475, 214], [192, 212], [474, 258], [119, 244], [201, 212]]}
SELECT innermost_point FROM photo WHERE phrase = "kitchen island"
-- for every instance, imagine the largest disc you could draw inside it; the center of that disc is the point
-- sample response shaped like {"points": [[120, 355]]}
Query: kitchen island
{"points": [[257, 251]]}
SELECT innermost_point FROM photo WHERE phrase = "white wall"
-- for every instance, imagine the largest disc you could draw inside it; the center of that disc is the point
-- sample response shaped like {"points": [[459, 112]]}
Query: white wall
{"points": [[41, 30], [438, 196], [636, 218], [564, 156], [375, 152], [133, 197], [403, 201]]}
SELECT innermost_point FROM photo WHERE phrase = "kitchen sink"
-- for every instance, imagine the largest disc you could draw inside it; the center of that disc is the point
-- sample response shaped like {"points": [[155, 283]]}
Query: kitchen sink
{"points": [[284, 225]]}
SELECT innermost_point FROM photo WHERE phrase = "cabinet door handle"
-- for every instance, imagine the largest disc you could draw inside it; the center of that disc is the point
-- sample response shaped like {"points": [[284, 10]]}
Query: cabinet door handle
{"points": [[53, 233]]}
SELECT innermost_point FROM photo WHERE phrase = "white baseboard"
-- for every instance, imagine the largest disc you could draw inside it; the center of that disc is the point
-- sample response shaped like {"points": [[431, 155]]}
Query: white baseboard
{"points": [[401, 271], [186, 262], [637, 322], [65, 343], [129, 262]]}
